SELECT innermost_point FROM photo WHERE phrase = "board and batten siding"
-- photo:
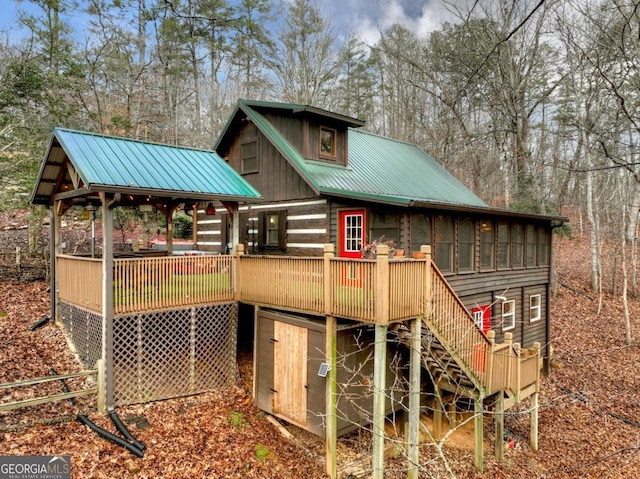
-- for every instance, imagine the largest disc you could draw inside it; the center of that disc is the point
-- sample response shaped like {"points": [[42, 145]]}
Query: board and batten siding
{"points": [[276, 179]]}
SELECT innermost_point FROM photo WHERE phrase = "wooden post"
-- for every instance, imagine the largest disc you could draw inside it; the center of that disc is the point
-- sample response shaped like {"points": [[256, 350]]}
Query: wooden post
{"points": [[107, 293], [382, 285], [54, 241], [102, 386], [478, 432], [415, 365], [237, 280], [327, 283], [534, 403], [437, 415], [235, 229], [331, 388], [499, 418], [489, 370], [379, 399], [534, 422], [428, 293]]}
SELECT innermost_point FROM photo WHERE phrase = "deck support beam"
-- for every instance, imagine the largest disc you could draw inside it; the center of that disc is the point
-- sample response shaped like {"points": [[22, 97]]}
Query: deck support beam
{"points": [[534, 421], [331, 348], [379, 399], [415, 366], [499, 422], [478, 432]]}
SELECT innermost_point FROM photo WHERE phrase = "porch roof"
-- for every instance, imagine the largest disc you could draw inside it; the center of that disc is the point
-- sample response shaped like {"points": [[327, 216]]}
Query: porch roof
{"points": [[88, 163]]}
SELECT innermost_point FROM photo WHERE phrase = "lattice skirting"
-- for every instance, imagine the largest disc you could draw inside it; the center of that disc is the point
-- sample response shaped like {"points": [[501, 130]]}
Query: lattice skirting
{"points": [[165, 354], [84, 329]]}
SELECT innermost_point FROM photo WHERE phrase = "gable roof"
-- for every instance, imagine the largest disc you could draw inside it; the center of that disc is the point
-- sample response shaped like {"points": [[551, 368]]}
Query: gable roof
{"points": [[379, 169], [92, 163]]}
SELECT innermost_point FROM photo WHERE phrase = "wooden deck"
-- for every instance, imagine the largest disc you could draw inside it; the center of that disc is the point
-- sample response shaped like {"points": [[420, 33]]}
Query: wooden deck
{"points": [[380, 291]]}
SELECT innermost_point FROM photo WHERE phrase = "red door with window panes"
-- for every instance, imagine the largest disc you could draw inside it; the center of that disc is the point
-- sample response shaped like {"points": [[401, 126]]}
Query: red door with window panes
{"points": [[352, 239], [482, 318]]}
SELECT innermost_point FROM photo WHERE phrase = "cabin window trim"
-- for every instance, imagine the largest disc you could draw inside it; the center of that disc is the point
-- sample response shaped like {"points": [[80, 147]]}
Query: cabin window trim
{"points": [[249, 161], [272, 229], [508, 315], [535, 308], [327, 142]]}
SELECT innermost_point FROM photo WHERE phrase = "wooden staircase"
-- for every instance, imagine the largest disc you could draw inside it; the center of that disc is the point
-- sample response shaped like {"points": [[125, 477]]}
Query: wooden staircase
{"points": [[461, 359]]}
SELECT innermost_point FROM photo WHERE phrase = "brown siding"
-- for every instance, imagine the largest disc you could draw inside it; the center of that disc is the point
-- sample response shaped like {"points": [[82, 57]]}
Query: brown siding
{"points": [[536, 331]]}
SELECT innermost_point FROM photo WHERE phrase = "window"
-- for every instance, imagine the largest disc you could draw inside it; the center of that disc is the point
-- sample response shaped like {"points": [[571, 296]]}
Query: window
{"points": [[420, 231], [487, 245], [466, 244], [482, 317], [543, 247], [531, 246], [444, 243], [517, 241], [508, 315], [249, 157], [384, 227], [504, 246], [535, 309], [353, 233], [272, 230], [327, 141]]}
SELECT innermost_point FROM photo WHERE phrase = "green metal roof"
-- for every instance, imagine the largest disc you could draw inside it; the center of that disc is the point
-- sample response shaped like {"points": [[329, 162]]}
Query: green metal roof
{"points": [[107, 163], [379, 169]]}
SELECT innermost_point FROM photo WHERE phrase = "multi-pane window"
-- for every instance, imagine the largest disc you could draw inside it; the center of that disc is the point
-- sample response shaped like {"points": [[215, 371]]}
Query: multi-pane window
{"points": [[543, 247], [384, 227], [353, 233], [508, 315], [327, 141], [249, 157], [517, 243], [487, 245], [444, 243], [535, 307], [272, 230], [504, 246], [466, 244], [531, 246]]}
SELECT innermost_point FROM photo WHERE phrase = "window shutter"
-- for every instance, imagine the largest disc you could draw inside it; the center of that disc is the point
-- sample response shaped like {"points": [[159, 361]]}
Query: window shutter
{"points": [[282, 229], [262, 230]]}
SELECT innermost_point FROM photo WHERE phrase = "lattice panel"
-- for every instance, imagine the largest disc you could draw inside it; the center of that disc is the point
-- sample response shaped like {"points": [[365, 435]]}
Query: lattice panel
{"points": [[165, 354], [84, 328]]}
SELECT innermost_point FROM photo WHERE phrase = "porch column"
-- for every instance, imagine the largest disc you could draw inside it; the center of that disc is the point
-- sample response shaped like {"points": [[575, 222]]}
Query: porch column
{"points": [[415, 366], [499, 419], [478, 432], [54, 246], [331, 388], [107, 292], [379, 399]]}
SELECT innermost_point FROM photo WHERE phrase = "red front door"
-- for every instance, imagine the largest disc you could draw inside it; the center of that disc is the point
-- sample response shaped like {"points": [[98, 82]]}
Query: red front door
{"points": [[352, 239], [352, 233]]}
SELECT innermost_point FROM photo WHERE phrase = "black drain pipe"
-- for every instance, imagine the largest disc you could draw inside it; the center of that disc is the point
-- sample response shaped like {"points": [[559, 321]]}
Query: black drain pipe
{"points": [[39, 323], [137, 448], [123, 429], [111, 437]]}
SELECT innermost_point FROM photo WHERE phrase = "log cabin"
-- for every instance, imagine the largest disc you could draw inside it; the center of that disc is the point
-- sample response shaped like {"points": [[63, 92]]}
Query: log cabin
{"points": [[336, 245]]}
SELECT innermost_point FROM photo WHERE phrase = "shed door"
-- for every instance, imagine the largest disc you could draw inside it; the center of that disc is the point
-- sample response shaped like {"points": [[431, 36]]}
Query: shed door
{"points": [[290, 372]]}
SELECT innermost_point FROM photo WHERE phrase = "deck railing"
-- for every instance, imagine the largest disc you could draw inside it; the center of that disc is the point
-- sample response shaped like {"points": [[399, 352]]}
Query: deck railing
{"points": [[80, 281], [279, 281], [143, 284]]}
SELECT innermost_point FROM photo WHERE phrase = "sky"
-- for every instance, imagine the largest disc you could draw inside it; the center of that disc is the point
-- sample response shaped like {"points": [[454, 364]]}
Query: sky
{"points": [[367, 17]]}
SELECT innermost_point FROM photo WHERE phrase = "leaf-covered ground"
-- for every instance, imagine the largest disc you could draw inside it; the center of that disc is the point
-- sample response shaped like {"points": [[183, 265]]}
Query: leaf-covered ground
{"points": [[589, 407]]}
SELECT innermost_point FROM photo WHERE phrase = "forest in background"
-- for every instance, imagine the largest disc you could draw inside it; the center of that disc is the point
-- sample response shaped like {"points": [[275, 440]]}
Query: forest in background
{"points": [[533, 105]]}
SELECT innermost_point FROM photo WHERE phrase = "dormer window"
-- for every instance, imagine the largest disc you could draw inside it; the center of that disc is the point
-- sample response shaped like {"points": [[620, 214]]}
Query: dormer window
{"points": [[327, 141]]}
